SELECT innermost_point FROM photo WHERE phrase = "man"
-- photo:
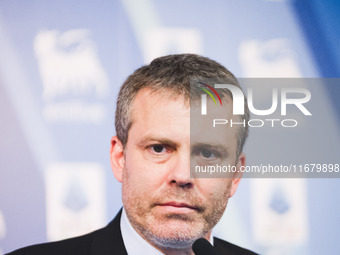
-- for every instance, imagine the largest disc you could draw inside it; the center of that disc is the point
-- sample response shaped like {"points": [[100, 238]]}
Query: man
{"points": [[165, 210]]}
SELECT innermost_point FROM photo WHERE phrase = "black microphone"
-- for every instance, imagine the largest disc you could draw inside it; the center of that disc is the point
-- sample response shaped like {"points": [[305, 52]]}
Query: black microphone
{"points": [[203, 247]]}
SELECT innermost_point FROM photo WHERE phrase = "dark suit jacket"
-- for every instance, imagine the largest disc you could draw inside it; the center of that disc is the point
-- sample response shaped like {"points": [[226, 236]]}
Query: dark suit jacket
{"points": [[107, 241]]}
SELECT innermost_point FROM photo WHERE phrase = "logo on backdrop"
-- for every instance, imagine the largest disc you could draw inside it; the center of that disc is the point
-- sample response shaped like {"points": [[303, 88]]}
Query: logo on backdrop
{"points": [[72, 76]]}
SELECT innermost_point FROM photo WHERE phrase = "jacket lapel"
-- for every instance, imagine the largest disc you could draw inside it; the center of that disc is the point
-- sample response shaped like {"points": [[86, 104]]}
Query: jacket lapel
{"points": [[109, 241]]}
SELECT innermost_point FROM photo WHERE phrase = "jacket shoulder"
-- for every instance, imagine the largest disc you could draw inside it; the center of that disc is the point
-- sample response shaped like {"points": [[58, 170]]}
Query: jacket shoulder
{"points": [[224, 247], [73, 246], [105, 241]]}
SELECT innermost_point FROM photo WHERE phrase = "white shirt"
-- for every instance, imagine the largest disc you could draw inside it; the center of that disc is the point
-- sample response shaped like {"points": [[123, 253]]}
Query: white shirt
{"points": [[134, 243]]}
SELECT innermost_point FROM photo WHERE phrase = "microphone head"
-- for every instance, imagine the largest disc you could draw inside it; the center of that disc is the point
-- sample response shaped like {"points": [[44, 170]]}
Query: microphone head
{"points": [[203, 247]]}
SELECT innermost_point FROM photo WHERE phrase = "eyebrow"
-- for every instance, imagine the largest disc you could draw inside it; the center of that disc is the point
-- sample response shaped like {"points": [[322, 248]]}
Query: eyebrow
{"points": [[160, 140]]}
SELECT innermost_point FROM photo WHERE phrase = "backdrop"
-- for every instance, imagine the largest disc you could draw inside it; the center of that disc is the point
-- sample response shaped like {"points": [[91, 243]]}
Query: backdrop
{"points": [[62, 63]]}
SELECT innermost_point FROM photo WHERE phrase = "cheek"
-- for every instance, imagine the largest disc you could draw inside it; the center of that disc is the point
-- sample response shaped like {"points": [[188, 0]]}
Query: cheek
{"points": [[143, 173], [133, 191], [139, 180], [216, 190]]}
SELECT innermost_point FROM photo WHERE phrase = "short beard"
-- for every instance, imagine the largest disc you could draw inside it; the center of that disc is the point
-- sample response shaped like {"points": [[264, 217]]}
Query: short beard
{"points": [[181, 240]]}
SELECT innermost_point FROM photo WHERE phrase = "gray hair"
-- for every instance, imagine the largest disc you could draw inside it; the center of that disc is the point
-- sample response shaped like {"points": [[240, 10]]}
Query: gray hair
{"points": [[173, 73]]}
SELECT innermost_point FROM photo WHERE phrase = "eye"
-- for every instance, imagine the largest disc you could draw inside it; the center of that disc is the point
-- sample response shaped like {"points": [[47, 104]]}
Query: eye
{"points": [[158, 152], [208, 154], [158, 148]]}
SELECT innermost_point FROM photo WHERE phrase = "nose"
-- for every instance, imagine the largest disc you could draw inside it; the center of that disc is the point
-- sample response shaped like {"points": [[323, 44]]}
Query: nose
{"points": [[179, 174]]}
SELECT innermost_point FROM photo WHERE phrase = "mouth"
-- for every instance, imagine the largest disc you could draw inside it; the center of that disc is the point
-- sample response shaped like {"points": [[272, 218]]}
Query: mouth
{"points": [[177, 207]]}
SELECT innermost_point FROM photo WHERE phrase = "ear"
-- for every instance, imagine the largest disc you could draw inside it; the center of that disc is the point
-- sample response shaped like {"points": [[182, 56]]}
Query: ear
{"points": [[241, 161], [117, 158]]}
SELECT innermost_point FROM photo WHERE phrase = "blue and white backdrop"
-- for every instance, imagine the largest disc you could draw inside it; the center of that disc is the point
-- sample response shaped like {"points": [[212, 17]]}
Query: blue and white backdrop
{"points": [[61, 65]]}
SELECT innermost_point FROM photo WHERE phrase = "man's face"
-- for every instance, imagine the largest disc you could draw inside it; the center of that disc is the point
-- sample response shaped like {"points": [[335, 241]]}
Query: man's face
{"points": [[163, 204]]}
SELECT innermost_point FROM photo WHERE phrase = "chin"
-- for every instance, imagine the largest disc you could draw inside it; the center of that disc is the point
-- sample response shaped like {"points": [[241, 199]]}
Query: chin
{"points": [[175, 234]]}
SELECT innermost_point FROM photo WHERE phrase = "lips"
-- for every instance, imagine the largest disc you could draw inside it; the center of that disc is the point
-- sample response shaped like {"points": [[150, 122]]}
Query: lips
{"points": [[177, 207]]}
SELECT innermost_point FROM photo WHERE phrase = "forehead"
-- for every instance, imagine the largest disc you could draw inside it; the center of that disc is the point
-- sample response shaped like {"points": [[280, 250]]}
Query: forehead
{"points": [[166, 100], [168, 116], [209, 128], [151, 108]]}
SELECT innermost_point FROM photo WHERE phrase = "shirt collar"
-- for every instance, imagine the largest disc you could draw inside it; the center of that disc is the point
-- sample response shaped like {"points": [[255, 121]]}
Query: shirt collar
{"points": [[134, 243]]}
